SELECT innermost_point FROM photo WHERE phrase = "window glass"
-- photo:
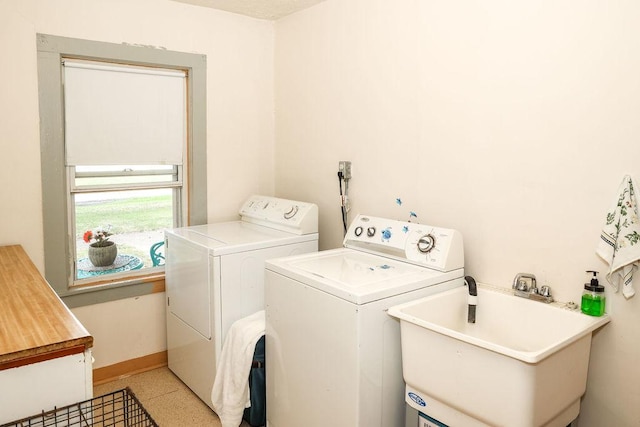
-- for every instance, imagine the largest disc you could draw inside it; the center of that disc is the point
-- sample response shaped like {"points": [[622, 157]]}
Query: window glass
{"points": [[134, 220]]}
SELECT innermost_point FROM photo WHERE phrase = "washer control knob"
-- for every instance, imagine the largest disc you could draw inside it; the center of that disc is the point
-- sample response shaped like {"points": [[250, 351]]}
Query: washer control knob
{"points": [[293, 210], [358, 231], [426, 243], [371, 231]]}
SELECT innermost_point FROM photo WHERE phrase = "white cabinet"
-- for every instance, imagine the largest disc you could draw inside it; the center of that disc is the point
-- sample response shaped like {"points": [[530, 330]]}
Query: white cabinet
{"points": [[28, 390], [45, 352]]}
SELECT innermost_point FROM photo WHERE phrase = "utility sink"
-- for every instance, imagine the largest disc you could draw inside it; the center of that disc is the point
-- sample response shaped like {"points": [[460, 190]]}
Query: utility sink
{"points": [[522, 364]]}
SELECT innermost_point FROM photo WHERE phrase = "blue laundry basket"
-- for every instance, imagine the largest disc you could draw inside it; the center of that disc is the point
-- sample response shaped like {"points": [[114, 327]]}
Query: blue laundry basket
{"points": [[256, 415]]}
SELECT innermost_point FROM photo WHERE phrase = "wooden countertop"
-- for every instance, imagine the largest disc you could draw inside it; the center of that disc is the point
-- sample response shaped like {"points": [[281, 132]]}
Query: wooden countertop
{"points": [[35, 325]]}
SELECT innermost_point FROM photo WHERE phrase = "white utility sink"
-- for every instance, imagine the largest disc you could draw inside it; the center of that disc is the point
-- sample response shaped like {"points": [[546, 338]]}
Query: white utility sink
{"points": [[522, 364]]}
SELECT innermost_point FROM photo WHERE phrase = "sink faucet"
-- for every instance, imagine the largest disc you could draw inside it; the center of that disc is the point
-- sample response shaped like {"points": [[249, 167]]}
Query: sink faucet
{"points": [[520, 284], [521, 289], [473, 298]]}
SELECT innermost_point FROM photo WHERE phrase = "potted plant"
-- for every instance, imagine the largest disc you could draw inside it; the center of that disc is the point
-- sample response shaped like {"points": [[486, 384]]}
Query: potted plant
{"points": [[102, 252]]}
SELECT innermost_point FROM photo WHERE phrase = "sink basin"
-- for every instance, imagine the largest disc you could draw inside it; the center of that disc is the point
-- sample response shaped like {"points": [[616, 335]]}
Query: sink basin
{"points": [[523, 363]]}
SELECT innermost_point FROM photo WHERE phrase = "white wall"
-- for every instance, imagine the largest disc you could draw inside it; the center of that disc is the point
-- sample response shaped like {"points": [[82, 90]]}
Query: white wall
{"points": [[125, 329], [240, 123], [513, 122]]}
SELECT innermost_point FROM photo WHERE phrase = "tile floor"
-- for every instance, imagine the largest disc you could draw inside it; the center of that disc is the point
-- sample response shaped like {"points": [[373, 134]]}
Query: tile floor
{"points": [[167, 399]]}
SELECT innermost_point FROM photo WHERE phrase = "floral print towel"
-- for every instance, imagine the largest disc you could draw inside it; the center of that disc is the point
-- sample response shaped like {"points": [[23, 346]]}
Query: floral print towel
{"points": [[619, 244]]}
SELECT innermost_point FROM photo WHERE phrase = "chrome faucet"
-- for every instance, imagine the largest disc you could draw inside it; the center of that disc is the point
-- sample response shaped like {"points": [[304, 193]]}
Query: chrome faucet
{"points": [[522, 289], [520, 284]]}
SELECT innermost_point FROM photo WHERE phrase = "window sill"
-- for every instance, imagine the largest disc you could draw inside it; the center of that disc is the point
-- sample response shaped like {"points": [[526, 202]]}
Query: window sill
{"points": [[117, 288]]}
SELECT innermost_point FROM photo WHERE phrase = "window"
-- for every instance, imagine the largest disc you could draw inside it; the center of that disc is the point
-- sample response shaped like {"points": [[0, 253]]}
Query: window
{"points": [[123, 149], [116, 114]]}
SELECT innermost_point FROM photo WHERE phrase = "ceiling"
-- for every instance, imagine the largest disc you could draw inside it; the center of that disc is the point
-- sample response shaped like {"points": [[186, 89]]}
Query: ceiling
{"points": [[261, 9]]}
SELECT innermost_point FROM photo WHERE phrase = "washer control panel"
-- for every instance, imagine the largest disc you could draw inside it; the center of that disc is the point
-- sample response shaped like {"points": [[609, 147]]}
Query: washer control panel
{"points": [[435, 247], [282, 214]]}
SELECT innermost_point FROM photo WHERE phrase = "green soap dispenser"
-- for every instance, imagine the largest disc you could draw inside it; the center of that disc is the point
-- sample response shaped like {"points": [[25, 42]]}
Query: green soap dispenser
{"points": [[593, 297]]}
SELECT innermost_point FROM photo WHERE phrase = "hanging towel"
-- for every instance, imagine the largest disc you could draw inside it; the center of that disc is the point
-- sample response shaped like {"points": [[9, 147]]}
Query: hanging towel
{"points": [[230, 393], [619, 244]]}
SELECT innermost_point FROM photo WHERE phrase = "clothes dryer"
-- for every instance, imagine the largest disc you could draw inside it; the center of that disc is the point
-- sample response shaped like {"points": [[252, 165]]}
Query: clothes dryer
{"points": [[215, 276], [333, 353]]}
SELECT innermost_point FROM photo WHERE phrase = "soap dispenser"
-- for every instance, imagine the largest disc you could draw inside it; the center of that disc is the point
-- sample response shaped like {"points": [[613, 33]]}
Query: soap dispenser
{"points": [[593, 297]]}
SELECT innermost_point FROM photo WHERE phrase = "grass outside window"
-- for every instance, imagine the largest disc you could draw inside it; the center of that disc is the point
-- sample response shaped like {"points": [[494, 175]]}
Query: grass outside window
{"points": [[135, 221]]}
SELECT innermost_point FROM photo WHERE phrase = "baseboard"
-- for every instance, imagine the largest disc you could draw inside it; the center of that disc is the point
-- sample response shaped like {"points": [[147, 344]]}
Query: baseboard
{"points": [[129, 367]]}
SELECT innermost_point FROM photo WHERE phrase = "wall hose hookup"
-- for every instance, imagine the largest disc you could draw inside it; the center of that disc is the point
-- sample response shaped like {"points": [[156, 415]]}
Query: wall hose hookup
{"points": [[344, 175]]}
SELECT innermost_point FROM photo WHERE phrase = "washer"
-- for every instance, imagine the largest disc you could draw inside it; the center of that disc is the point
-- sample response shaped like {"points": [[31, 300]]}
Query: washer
{"points": [[215, 276], [333, 353]]}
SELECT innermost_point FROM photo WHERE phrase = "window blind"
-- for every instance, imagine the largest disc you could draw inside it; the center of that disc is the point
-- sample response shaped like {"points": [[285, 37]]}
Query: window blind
{"points": [[120, 115]]}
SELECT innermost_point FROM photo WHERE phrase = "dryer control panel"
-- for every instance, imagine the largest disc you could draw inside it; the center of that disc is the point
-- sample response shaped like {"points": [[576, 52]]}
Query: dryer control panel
{"points": [[281, 214], [434, 247]]}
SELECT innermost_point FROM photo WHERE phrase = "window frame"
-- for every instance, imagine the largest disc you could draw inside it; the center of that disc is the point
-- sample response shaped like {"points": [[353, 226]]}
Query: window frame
{"points": [[58, 253]]}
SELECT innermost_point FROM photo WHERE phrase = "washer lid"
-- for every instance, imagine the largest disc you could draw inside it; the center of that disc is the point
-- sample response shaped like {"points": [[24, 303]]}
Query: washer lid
{"points": [[357, 276], [238, 236]]}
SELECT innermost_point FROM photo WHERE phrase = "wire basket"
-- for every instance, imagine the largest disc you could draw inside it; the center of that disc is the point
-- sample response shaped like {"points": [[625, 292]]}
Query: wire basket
{"points": [[119, 408]]}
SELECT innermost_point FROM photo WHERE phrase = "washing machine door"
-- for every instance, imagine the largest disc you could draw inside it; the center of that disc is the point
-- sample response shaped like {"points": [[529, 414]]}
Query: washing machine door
{"points": [[358, 277]]}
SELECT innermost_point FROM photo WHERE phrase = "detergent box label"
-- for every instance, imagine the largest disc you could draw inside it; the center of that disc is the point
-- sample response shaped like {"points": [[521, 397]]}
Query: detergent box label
{"points": [[425, 420]]}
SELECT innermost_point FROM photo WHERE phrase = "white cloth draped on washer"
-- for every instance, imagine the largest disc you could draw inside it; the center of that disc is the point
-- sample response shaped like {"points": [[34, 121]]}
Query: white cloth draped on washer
{"points": [[230, 393]]}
